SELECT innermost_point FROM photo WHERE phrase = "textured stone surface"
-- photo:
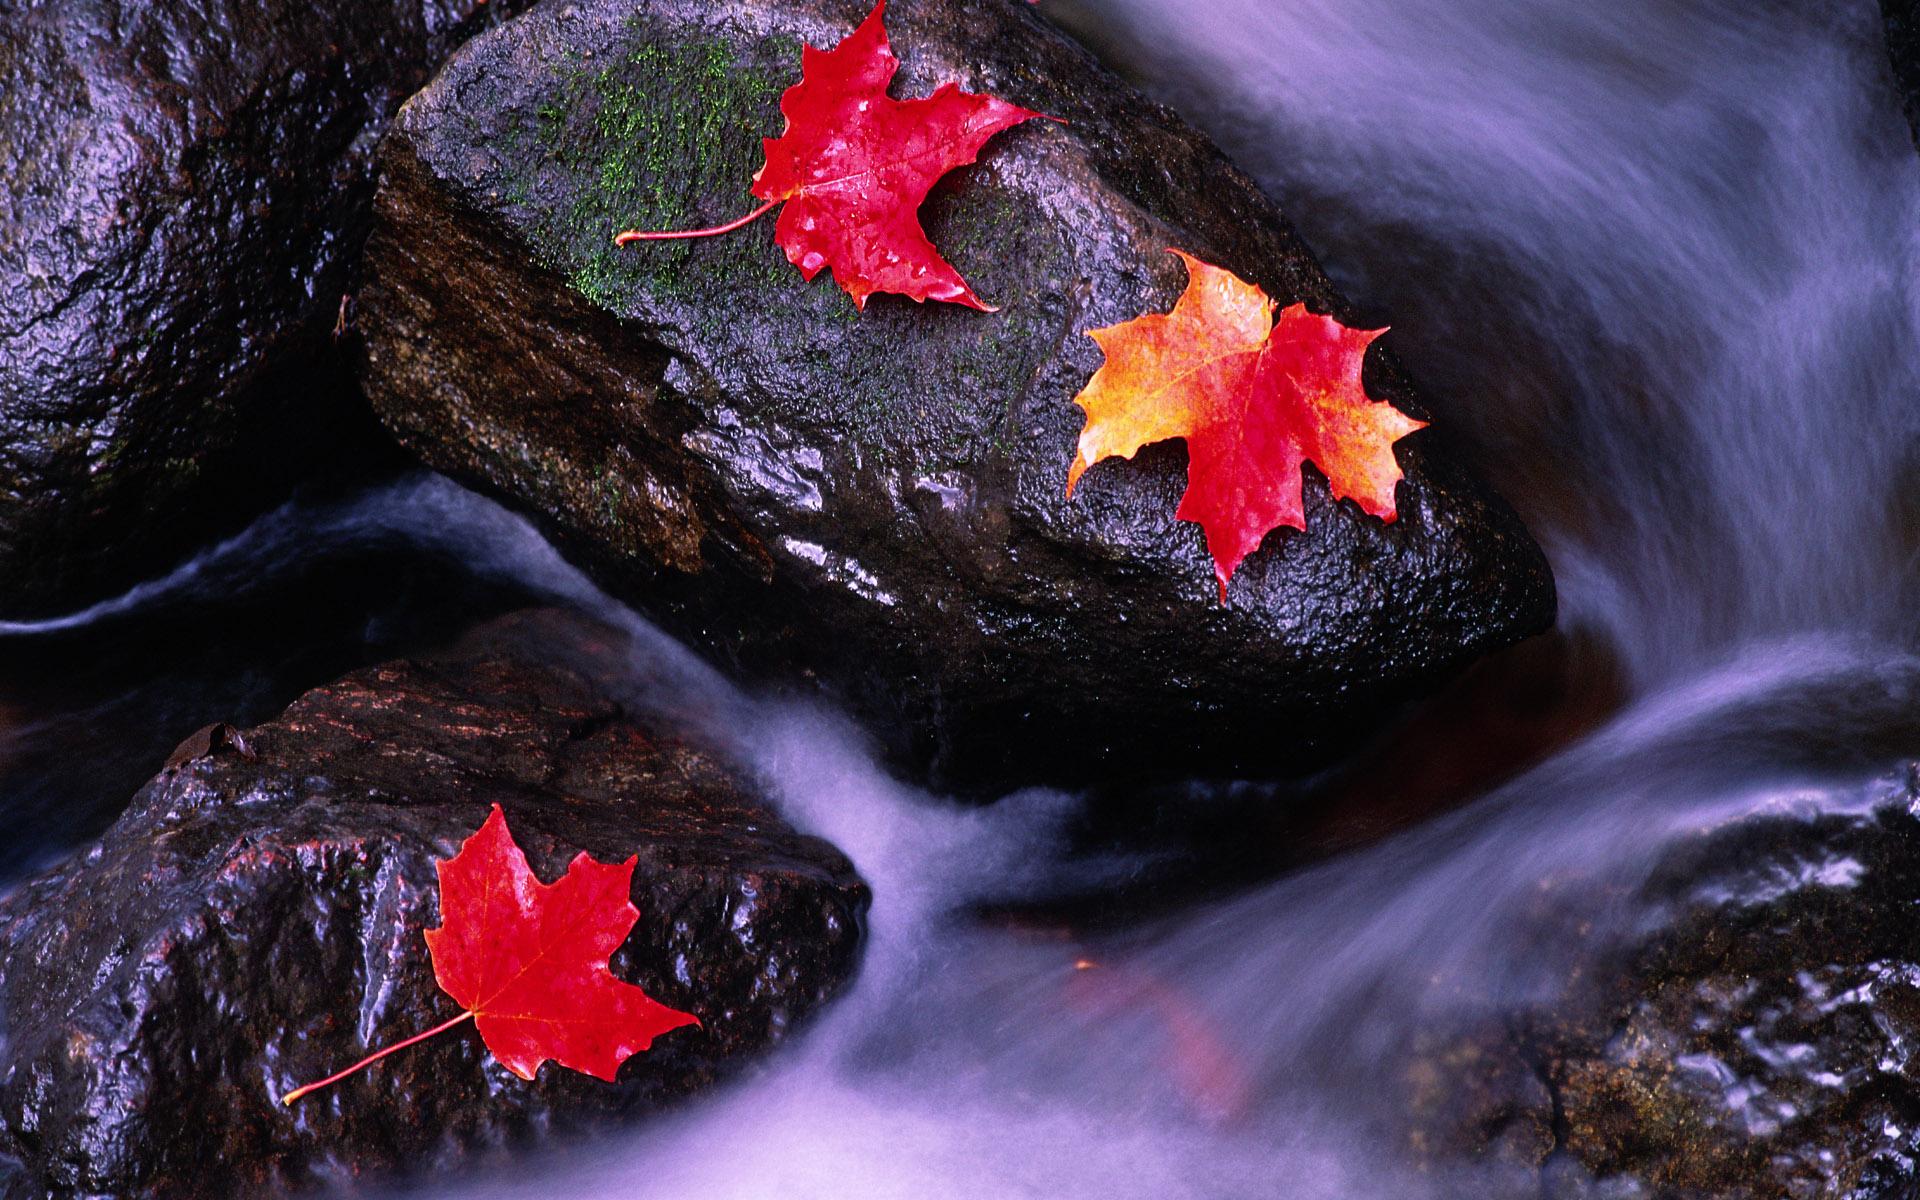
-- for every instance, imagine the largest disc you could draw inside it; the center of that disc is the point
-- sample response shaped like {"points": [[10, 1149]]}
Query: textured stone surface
{"points": [[1755, 1042], [878, 499], [254, 922], [184, 189]]}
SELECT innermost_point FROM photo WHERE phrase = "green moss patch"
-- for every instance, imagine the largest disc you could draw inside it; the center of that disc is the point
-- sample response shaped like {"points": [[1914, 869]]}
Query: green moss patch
{"points": [[660, 137]]}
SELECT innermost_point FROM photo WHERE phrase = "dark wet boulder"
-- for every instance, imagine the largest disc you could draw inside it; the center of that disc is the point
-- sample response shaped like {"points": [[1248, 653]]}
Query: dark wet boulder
{"points": [[1754, 1040], [877, 500], [255, 922], [184, 188]]}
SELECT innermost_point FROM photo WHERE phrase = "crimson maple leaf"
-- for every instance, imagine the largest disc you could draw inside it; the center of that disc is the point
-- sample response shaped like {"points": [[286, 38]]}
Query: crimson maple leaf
{"points": [[527, 961], [854, 165], [1255, 398]]}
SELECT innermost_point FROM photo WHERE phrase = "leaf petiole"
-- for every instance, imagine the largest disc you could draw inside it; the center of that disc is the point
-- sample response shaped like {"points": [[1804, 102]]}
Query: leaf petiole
{"points": [[637, 235], [375, 1057]]}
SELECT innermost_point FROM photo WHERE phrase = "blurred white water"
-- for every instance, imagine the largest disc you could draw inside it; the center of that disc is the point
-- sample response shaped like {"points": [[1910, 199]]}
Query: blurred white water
{"points": [[1249, 1047], [1224, 1051], [1242, 1047], [1655, 257]]}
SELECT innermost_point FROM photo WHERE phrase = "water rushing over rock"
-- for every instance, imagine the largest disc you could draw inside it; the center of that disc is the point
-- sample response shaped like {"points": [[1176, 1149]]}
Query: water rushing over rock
{"points": [[1655, 259]]}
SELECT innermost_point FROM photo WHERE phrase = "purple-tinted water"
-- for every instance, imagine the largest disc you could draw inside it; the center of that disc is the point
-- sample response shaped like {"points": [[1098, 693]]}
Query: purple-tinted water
{"points": [[1653, 259]]}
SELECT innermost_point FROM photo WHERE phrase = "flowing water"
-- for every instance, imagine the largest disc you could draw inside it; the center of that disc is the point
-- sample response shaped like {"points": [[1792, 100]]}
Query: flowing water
{"points": [[1653, 260]]}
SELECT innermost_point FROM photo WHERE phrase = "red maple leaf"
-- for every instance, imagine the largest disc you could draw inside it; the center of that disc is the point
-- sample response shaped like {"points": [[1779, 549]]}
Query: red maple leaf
{"points": [[527, 961], [854, 165], [1255, 398]]}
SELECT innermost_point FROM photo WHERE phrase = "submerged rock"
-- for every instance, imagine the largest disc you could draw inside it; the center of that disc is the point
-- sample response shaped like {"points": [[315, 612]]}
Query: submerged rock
{"points": [[877, 500], [1756, 1041], [186, 187], [255, 922]]}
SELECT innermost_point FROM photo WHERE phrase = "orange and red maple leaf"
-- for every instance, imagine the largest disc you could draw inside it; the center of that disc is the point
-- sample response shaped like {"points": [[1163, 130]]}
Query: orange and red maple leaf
{"points": [[854, 165], [1255, 398]]}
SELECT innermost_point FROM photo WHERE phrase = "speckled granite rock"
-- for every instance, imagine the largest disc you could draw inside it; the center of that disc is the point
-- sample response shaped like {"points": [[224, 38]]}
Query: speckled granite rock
{"points": [[255, 922]]}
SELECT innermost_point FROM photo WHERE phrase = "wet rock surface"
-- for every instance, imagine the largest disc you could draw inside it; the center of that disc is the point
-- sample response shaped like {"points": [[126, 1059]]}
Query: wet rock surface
{"points": [[1755, 1041], [254, 922], [877, 500], [187, 189]]}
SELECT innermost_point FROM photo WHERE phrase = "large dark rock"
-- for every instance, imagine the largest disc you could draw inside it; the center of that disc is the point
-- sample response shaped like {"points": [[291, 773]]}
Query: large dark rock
{"points": [[183, 190], [254, 922], [1755, 1041], [878, 498]]}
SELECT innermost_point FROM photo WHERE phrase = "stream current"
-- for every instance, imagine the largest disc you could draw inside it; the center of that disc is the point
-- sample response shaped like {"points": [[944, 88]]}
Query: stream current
{"points": [[1653, 260]]}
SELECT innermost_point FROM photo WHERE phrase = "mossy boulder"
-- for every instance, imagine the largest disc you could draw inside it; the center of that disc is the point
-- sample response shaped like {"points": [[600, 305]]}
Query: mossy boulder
{"points": [[877, 500], [184, 189], [254, 923]]}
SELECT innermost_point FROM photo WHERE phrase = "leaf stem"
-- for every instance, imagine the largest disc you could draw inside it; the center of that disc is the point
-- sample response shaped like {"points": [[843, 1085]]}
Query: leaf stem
{"points": [[375, 1057], [636, 235]]}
